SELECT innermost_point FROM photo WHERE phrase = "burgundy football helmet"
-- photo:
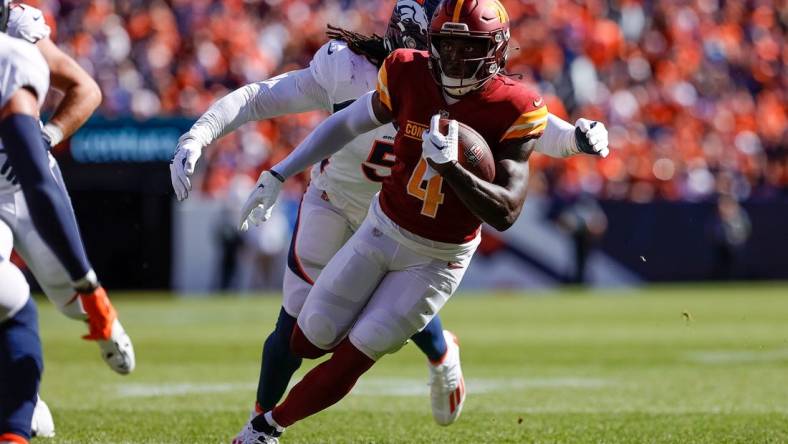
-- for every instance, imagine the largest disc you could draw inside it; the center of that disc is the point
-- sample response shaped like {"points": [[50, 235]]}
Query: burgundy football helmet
{"points": [[467, 44]]}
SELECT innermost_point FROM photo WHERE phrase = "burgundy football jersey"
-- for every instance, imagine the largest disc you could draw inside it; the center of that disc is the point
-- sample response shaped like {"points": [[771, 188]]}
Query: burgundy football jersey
{"points": [[501, 111]]}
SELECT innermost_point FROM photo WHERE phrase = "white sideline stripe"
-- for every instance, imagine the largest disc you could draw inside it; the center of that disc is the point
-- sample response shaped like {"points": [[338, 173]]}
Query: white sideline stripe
{"points": [[379, 386], [728, 357]]}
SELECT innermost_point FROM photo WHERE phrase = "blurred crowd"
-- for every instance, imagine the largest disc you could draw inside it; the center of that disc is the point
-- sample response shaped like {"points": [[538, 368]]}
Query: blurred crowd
{"points": [[693, 92]]}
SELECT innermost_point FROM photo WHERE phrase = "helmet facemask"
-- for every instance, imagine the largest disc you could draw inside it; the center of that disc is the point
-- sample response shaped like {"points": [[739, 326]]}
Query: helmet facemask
{"points": [[464, 61]]}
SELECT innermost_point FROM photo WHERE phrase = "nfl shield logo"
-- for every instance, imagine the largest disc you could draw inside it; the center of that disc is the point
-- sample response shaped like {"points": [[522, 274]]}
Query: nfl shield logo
{"points": [[473, 154]]}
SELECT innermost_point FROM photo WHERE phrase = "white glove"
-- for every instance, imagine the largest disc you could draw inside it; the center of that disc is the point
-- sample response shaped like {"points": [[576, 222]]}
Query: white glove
{"points": [[591, 137], [182, 165], [261, 201], [439, 148]]}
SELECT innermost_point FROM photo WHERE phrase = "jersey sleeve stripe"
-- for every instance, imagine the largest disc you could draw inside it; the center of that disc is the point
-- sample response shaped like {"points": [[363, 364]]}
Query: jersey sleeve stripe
{"points": [[526, 132], [530, 123], [383, 89]]}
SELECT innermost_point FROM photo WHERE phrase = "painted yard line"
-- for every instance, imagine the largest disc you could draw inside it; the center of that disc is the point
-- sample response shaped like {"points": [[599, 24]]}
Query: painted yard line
{"points": [[379, 386], [744, 356]]}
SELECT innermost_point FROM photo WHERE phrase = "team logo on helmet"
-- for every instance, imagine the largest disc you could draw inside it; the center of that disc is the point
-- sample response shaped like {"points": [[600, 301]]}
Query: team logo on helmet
{"points": [[407, 26]]}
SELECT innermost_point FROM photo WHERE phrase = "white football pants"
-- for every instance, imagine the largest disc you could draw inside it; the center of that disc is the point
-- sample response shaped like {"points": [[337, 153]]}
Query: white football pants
{"points": [[320, 232], [49, 273], [377, 292]]}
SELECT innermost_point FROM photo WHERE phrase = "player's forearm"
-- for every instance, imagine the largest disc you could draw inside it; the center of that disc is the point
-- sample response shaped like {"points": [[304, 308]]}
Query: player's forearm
{"points": [[494, 204], [81, 94], [330, 136], [46, 200], [289, 93], [78, 104], [558, 139]]}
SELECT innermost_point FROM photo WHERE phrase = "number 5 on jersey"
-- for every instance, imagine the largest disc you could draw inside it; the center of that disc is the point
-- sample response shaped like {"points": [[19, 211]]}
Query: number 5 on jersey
{"points": [[428, 191], [380, 160]]}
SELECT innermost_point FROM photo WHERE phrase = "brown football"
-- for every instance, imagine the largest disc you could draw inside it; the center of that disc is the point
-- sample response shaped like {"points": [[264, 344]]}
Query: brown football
{"points": [[474, 153]]}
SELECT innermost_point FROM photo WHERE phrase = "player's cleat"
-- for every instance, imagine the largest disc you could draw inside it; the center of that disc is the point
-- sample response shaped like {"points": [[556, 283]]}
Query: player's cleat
{"points": [[117, 351], [104, 328], [447, 386], [42, 426], [250, 435]]}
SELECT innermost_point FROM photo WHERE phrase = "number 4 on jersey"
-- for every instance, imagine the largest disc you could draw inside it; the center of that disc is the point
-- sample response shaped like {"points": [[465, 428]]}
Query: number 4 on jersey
{"points": [[429, 192]]}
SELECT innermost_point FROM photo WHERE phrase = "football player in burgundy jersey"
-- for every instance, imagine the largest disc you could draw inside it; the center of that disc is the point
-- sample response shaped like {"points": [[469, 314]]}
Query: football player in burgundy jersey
{"points": [[411, 252]]}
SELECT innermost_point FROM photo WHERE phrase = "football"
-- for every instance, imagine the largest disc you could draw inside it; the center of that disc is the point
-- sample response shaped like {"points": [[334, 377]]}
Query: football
{"points": [[474, 153]]}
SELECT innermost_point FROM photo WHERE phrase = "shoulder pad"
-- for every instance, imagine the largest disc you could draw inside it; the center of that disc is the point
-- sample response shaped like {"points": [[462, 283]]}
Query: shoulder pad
{"points": [[21, 65], [344, 74], [27, 22]]}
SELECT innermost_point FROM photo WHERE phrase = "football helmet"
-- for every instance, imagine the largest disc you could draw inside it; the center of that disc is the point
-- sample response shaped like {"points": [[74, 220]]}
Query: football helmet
{"points": [[5, 13], [408, 24], [467, 41]]}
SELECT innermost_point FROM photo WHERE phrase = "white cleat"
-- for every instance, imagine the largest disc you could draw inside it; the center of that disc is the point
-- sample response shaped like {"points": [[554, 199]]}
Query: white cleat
{"points": [[248, 434], [42, 426], [117, 351], [447, 386]]}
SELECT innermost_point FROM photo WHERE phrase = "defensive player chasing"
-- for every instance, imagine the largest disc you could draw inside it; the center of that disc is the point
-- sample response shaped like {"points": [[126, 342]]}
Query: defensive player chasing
{"points": [[410, 253], [36, 218]]}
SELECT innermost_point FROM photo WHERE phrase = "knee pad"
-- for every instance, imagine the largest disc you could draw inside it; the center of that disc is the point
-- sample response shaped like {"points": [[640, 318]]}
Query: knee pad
{"points": [[377, 336], [302, 347], [14, 291]]}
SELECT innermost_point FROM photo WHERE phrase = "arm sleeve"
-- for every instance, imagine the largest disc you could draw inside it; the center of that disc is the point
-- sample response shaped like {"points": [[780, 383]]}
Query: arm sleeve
{"points": [[46, 200], [558, 139], [289, 93], [330, 136]]}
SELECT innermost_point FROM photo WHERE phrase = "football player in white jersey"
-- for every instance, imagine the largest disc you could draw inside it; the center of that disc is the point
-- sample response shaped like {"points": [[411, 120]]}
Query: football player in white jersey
{"points": [[24, 81], [341, 188], [80, 98]]}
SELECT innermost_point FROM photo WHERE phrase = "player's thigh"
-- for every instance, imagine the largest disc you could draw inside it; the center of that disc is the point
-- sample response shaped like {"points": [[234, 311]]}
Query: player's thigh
{"points": [[403, 304], [344, 287], [320, 232], [14, 290], [42, 262]]}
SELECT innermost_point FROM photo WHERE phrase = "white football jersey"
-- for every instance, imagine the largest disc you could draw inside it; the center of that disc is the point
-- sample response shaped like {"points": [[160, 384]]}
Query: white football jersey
{"points": [[353, 175], [27, 22], [21, 65]]}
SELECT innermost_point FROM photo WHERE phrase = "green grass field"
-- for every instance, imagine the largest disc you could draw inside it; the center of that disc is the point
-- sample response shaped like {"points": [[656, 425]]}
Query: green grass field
{"points": [[668, 364]]}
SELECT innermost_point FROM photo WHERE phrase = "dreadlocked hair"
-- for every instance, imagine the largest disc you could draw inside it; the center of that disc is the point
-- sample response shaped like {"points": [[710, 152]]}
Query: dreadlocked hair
{"points": [[371, 47]]}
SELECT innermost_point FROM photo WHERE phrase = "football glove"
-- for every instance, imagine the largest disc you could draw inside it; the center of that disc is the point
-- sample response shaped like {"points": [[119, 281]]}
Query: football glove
{"points": [[182, 165], [261, 201], [591, 137], [437, 147]]}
